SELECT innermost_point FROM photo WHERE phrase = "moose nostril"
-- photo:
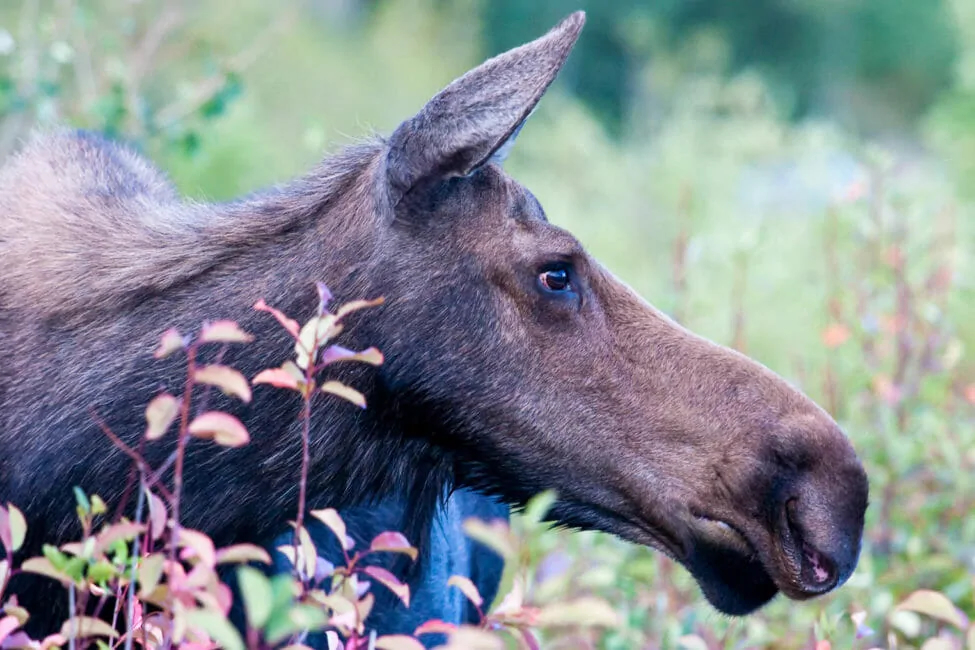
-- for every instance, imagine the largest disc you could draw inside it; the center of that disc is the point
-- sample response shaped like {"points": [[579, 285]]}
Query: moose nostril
{"points": [[817, 572]]}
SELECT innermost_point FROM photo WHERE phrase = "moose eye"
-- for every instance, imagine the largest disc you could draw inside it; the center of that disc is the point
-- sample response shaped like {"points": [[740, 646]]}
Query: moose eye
{"points": [[555, 279]]}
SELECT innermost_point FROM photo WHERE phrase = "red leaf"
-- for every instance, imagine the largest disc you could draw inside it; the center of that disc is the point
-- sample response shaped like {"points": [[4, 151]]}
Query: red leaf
{"points": [[289, 324], [468, 589], [277, 377], [223, 428], [435, 626], [393, 542], [160, 414], [348, 393], [337, 353], [390, 581], [7, 625]]}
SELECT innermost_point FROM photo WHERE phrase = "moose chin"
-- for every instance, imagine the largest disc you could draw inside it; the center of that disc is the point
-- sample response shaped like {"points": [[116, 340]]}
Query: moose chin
{"points": [[515, 362]]}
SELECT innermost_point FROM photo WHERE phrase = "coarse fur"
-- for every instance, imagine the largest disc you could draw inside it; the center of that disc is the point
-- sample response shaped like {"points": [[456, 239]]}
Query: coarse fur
{"points": [[499, 377]]}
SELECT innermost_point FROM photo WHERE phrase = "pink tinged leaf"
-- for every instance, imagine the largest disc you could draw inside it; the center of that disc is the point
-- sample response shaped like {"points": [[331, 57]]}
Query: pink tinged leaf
{"points": [[330, 517], [277, 377], [19, 640], [393, 542], [170, 342], [390, 581], [398, 642], [347, 393], [309, 554], [289, 324], [530, 640], [239, 553], [467, 588], [226, 379], [197, 545], [435, 626], [356, 305], [337, 353], [5, 535], [125, 530], [494, 534], [324, 297], [7, 625], [157, 516], [160, 414], [42, 566], [87, 626], [18, 527], [323, 570], [224, 331], [223, 428]]}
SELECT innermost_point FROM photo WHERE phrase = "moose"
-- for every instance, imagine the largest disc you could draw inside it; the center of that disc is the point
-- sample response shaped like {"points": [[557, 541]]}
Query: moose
{"points": [[515, 362]]}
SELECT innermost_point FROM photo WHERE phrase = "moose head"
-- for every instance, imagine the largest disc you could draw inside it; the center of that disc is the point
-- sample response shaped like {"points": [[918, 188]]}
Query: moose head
{"points": [[540, 369]]}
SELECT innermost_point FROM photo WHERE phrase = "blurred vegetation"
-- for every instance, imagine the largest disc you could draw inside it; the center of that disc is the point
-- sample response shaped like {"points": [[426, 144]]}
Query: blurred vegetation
{"points": [[788, 177]]}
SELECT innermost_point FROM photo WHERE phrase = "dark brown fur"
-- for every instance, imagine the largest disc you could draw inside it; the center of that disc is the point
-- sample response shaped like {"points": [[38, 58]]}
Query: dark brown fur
{"points": [[644, 429]]}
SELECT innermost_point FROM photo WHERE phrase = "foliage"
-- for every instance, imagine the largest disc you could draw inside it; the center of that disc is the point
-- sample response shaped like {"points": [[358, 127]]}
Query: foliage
{"points": [[843, 265]]}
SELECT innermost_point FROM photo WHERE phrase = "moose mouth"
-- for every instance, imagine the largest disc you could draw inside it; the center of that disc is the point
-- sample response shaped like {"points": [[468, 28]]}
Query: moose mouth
{"points": [[738, 575]]}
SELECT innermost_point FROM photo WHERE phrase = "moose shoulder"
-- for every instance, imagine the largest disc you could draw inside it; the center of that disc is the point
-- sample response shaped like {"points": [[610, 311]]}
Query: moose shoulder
{"points": [[515, 363]]}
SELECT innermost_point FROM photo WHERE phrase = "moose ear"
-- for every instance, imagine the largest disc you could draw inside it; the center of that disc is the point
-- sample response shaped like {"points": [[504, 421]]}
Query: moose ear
{"points": [[475, 118]]}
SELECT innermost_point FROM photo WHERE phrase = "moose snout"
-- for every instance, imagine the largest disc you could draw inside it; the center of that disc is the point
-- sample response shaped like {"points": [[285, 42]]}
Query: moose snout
{"points": [[819, 528]]}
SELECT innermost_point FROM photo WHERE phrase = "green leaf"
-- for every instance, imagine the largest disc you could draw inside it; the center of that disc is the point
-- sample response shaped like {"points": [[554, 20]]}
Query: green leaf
{"points": [[255, 589], [217, 627], [582, 612], [101, 572], [494, 534], [934, 605], [150, 572], [82, 499], [43, 566], [539, 505]]}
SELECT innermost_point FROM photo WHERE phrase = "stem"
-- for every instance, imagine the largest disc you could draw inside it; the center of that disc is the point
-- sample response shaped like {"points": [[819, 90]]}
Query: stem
{"points": [[130, 604], [184, 423], [74, 618]]}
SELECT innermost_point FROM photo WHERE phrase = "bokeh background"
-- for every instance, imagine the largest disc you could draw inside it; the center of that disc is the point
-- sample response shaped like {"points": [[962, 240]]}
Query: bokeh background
{"points": [[790, 177]]}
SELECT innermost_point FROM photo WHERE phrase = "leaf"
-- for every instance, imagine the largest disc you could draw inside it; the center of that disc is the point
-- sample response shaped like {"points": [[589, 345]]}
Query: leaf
{"points": [[18, 527], [289, 324], [43, 567], [468, 637], [393, 542], [308, 551], [331, 518], [149, 572], [217, 627], [692, 642], [126, 530], [224, 331], [582, 612], [356, 305], [277, 377], [243, 553], [435, 626], [157, 515], [467, 588], [398, 642], [390, 581], [86, 626], [337, 353], [255, 589], [495, 535], [938, 643], [198, 545], [934, 605], [223, 428], [539, 506], [160, 414], [230, 381], [345, 392], [7, 625], [970, 643], [835, 335], [169, 342]]}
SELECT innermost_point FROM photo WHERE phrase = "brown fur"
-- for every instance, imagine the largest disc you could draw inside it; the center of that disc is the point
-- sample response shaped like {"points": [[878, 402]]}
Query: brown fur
{"points": [[644, 429]]}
